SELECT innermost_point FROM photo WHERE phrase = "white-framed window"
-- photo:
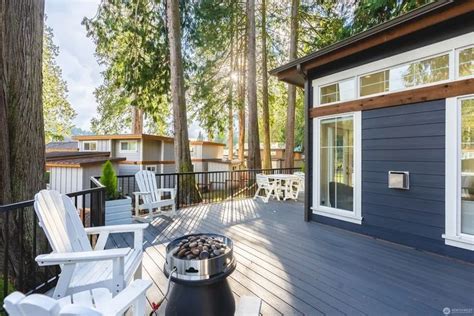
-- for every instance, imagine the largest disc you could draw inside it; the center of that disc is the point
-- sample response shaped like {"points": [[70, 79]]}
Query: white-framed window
{"points": [[426, 71], [128, 146], [337, 146], [441, 62], [459, 184], [339, 91], [89, 146], [153, 168], [465, 62]]}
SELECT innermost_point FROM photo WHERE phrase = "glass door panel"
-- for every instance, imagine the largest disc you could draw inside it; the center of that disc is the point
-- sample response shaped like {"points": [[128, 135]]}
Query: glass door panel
{"points": [[336, 163], [467, 166]]}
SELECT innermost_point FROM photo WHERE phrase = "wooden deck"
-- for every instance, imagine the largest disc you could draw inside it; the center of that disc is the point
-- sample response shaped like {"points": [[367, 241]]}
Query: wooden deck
{"points": [[313, 269]]}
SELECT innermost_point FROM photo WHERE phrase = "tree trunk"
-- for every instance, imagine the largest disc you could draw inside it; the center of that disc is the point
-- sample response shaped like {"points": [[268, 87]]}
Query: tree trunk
{"points": [[230, 131], [22, 163], [242, 92], [267, 159], [137, 121], [290, 114], [188, 192], [180, 121], [253, 158]]}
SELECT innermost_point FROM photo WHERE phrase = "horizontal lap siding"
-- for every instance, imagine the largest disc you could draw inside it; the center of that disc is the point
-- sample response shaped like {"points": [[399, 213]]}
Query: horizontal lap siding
{"points": [[405, 138]]}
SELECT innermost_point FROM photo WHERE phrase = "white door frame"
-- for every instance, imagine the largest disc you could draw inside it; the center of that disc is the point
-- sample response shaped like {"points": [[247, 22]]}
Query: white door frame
{"points": [[356, 215]]}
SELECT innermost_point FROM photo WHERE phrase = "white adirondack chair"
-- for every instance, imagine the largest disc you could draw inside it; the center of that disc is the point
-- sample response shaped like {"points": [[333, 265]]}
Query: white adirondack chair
{"points": [[152, 197], [264, 183], [84, 268], [96, 302]]}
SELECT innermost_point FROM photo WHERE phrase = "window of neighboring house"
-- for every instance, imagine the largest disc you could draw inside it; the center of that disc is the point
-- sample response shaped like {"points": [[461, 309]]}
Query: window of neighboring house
{"points": [[128, 146], [89, 146], [192, 151], [466, 62], [459, 184], [339, 91], [153, 168]]}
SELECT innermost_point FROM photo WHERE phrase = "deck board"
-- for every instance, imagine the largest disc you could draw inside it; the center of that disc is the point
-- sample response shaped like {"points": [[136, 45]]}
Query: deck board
{"points": [[299, 268]]}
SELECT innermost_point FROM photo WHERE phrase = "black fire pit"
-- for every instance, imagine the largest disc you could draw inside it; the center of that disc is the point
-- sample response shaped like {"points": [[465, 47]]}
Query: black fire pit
{"points": [[199, 265]]}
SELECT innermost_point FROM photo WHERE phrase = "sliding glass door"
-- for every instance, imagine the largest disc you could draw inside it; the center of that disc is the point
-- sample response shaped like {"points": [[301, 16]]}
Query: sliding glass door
{"points": [[337, 162]]}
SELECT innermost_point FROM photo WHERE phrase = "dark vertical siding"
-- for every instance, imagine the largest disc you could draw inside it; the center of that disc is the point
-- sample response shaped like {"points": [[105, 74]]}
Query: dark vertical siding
{"points": [[405, 138]]}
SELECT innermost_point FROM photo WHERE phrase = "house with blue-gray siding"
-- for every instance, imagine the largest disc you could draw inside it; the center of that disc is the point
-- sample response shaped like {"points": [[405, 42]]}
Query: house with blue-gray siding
{"points": [[389, 147]]}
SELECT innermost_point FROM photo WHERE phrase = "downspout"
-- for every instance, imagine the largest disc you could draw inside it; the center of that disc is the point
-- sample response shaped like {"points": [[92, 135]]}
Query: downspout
{"points": [[308, 136]]}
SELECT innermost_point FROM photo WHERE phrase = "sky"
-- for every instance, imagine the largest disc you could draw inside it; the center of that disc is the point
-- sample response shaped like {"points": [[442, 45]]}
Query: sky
{"points": [[76, 54], [76, 57]]}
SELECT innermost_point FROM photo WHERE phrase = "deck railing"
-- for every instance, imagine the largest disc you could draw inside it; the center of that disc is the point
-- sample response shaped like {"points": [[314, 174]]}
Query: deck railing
{"points": [[205, 187], [22, 239]]}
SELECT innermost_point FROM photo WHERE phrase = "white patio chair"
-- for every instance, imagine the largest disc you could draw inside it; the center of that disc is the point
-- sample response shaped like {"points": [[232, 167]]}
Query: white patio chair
{"points": [[301, 176], [84, 268], [152, 196], [96, 302], [264, 183]]}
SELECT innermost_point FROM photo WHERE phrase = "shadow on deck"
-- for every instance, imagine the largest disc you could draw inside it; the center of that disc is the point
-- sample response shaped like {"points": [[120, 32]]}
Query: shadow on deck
{"points": [[309, 268]]}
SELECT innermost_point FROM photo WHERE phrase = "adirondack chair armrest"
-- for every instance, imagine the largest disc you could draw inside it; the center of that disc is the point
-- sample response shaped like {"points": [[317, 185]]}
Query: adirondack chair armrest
{"points": [[137, 194], [115, 229], [170, 190], [56, 258], [127, 297]]}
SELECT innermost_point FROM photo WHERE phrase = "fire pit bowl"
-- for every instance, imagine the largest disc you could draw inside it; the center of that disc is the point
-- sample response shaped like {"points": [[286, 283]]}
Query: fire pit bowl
{"points": [[199, 276]]}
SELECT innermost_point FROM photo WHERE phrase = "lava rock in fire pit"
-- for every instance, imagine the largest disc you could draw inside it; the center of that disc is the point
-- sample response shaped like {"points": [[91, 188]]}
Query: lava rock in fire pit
{"points": [[199, 247]]}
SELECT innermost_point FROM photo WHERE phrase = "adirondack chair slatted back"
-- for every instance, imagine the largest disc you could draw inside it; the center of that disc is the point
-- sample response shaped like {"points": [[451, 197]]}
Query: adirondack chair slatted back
{"points": [[60, 221], [146, 181]]}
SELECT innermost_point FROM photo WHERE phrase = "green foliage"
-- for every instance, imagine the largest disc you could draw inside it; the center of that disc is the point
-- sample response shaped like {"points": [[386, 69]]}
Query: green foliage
{"points": [[372, 12], [109, 180], [132, 44], [58, 112]]}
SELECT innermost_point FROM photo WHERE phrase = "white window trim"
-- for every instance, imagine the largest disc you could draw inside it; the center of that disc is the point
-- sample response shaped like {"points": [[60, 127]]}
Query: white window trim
{"points": [[453, 235], [458, 50], [448, 46], [450, 75], [127, 151], [89, 142], [356, 215]]}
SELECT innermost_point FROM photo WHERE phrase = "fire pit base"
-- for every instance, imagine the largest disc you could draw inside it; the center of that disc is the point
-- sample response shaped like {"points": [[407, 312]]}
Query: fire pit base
{"points": [[213, 299], [199, 286]]}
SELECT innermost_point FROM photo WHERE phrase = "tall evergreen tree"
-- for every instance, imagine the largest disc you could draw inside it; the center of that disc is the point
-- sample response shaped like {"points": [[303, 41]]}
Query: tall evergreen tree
{"points": [[290, 114], [267, 162], [253, 158]]}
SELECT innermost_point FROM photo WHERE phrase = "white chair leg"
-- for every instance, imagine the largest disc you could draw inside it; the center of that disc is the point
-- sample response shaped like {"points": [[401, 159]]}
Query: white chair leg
{"points": [[64, 280], [256, 192]]}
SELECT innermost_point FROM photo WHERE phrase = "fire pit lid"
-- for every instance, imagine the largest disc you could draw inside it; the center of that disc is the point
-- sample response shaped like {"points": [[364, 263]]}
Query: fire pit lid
{"points": [[199, 269]]}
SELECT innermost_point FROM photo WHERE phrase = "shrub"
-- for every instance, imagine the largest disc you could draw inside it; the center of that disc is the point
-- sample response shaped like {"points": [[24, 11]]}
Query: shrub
{"points": [[109, 180]]}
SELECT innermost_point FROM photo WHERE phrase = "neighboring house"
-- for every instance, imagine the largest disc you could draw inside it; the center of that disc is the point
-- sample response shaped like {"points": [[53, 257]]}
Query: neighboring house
{"points": [[62, 146], [71, 171], [277, 154], [209, 156], [141, 151], [398, 97]]}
